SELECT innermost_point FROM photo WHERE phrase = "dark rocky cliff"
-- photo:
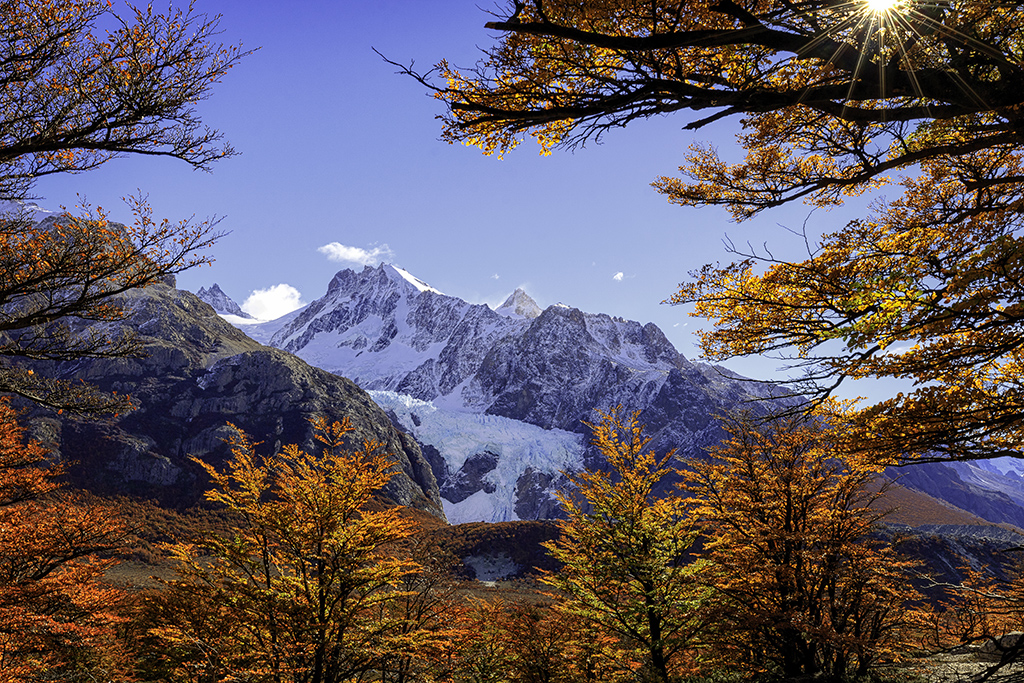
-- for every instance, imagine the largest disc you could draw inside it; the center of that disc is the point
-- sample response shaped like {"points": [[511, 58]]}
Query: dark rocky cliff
{"points": [[199, 374]]}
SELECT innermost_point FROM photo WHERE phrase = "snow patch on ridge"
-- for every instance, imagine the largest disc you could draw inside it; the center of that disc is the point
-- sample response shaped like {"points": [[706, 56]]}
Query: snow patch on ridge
{"points": [[415, 281], [1004, 465], [460, 435], [263, 330]]}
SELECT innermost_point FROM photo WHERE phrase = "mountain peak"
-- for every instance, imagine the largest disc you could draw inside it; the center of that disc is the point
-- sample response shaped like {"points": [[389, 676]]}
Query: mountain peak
{"points": [[221, 302], [419, 284], [519, 304]]}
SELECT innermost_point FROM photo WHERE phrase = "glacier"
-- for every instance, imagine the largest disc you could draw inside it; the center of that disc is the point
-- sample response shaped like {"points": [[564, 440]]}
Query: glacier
{"points": [[499, 399], [460, 435]]}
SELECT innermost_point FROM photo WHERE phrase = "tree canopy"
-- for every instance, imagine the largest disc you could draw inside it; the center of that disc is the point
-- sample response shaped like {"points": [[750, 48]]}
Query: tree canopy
{"points": [[58, 619], [834, 94], [295, 590], [801, 584], [81, 83], [84, 83], [626, 550], [835, 100]]}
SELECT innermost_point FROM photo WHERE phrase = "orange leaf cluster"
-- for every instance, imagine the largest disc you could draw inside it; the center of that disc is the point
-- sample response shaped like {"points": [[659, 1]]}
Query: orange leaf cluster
{"points": [[58, 619]]}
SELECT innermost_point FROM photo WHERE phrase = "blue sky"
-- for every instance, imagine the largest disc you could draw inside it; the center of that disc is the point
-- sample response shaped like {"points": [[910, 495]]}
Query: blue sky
{"points": [[338, 149]]}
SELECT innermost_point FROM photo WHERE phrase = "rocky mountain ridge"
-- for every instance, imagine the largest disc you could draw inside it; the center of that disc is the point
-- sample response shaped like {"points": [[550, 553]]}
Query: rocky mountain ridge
{"points": [[546, 368], [221, 302], [199, 374], [492, 448], [543, 369], [549, 367]]}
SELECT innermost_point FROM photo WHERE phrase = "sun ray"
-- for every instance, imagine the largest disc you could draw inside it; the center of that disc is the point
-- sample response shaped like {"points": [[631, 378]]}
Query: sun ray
{"points": [[904, 21]]}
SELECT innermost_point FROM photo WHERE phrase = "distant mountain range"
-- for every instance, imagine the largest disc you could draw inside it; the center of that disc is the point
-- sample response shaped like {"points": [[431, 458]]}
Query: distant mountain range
{"points": [[483, 410], [498, 399]]}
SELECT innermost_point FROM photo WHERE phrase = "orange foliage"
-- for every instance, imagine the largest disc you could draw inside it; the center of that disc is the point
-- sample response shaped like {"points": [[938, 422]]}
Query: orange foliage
{"points": [[983, 612], [928, 288], [57, 617], [504, 640], [833, 95], [798, 578], [626, 552], [306, 586]]}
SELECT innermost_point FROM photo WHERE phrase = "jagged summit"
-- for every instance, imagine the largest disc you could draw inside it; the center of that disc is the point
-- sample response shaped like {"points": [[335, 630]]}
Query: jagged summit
{"points": [[410, 278], [519, 304], [221, 302], [384, 277], [378, 325], [498, 398]]}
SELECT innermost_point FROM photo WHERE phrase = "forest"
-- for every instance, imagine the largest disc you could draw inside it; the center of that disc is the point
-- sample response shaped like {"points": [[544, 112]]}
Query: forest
{"points": [[762, 560]]}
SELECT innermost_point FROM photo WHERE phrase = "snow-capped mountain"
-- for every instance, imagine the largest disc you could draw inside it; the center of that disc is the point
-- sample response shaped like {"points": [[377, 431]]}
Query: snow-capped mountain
{"points": [[385, 329], [519, 305], [221, 302], [450, 367]]}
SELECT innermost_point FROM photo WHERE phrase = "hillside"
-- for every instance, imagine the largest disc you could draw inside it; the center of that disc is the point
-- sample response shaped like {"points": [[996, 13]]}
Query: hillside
{"points": [[199, 375]]}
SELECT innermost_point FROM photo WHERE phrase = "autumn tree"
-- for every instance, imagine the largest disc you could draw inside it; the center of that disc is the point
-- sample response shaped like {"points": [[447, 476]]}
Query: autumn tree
{"points": [[548, 644], [483, 652], [801, 586], [83, 83], [58, 619], [295, 591], [625, 550], [835, 100], [528, 641], [833, 94], [539, 637], [425, 613], [984, 611]]}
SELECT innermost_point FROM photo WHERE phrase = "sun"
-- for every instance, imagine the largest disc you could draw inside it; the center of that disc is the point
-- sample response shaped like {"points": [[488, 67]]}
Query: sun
{"points": [[882, 6]]}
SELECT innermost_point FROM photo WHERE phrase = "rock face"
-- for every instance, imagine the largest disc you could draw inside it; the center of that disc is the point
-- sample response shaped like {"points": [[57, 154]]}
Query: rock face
{"points": [[550, 369], [945, 550], [199, 374], [221, 302]]}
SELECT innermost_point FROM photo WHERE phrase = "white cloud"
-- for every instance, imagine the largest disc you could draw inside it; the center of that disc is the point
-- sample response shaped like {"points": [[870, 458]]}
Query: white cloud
{"points": [[618, 276], [336, 251], [273, 302]]}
